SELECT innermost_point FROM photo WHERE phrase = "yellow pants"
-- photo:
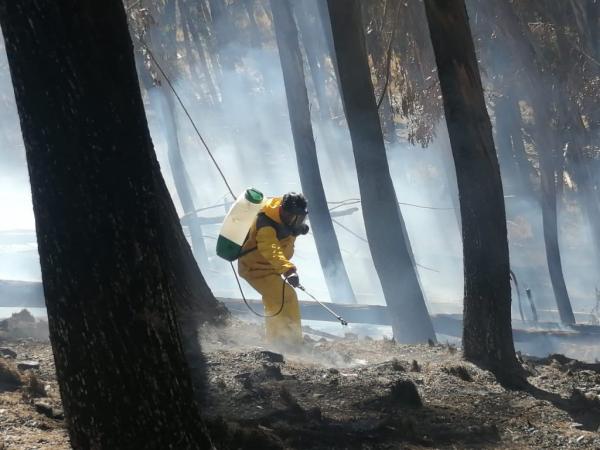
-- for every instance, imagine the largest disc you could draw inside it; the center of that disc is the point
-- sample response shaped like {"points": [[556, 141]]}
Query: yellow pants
{"points": [[284, 328]]}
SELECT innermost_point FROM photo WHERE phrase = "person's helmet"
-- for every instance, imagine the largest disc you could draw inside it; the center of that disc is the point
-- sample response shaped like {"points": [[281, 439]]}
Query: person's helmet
{"points": [[295, 203], [295, 209]]}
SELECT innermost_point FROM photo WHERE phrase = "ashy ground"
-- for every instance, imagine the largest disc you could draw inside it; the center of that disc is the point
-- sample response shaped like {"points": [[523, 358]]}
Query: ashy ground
{"points": [[338, 393]]}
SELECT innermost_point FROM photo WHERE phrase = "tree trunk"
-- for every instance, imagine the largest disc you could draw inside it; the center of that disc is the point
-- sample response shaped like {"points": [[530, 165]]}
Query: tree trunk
{"points": [[191, 16], [310, 32], [253, 29], [525, 171], [504, 144], [487, 334], [550, 221], [576, 137], [196, 302], [383, 221], [323, 12], [450, 174], [516, 40], [223, 35], [102, 227], [181, 178], [379, 48], [164, 41], [326, 241], [581, 168]]}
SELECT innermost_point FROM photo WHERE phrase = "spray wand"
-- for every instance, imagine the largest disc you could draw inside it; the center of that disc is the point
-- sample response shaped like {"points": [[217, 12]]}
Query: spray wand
{"points": [[337, 316]]}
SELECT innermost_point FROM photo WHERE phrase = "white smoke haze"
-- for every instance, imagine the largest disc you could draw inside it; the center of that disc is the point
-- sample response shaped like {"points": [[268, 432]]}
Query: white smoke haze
{"points": [[251, 139], [18, 249]]}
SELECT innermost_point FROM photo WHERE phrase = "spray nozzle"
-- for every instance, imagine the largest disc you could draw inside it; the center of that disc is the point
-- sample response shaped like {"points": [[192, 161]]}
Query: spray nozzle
{"points": [[333, 313]]}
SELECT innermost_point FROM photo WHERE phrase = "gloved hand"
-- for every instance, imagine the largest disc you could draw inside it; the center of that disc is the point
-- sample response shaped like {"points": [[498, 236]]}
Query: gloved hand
{"points": [[292, 278]]}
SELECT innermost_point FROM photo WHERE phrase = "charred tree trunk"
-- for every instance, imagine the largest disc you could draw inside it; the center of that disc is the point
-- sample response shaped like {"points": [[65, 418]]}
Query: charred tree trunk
{"points": [[383, 220], [181, 178], [253, 30], [381, 54], [223, 35], [511, 180], [102, 227], [526, 172], [317, 51], [310, 32], [450, 174], [323, 12], [164, 39], [516, 41], [581, 168], [326, 241], [575, 138], [487, 334], [548, 175], [191, 16], [196, 303]]}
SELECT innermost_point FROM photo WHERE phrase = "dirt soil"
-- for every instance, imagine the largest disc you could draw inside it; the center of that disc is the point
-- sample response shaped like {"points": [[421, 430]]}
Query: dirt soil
{"points": [[345, 393]]}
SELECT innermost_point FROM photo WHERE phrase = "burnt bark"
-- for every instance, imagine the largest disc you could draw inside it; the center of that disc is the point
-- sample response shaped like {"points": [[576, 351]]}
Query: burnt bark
{"points": [[487, 334], [326, 241], [111, 249], [383, 221]]}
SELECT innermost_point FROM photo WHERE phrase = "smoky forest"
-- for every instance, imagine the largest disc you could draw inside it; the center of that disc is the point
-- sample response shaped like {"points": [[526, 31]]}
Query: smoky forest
{"points": [[299, 224]]}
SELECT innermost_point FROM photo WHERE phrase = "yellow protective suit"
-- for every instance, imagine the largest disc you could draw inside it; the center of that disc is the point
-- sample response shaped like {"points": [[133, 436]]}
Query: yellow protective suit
{"points": [[270, 247]]}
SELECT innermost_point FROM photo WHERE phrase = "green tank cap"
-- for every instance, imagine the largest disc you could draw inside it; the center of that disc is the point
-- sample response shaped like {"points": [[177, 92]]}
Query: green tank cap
{"points": [[254, 196]]}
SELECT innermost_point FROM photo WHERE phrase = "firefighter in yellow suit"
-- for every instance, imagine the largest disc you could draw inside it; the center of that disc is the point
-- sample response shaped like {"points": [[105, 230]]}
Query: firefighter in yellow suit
{"points": [[266, 258]]}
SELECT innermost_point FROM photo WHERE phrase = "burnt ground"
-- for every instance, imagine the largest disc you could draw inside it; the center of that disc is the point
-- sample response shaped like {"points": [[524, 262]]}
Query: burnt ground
{"points": [[340, 393]]}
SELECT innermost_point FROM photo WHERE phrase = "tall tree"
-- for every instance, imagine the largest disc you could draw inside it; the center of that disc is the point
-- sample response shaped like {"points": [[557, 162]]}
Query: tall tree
{"points": [[577, 137], [384, 224], [326, 241], [487, 335], [507, 136], [313, 40], [164, 38], [519, 44], [111, 248], [181, 179]]}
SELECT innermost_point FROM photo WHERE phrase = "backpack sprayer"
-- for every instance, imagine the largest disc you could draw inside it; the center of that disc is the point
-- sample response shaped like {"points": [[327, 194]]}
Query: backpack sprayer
{"points": [[234, 233]]}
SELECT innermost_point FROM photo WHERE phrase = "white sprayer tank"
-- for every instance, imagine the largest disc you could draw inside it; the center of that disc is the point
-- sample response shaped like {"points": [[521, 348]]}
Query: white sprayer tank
{"points": [[237, 223]]}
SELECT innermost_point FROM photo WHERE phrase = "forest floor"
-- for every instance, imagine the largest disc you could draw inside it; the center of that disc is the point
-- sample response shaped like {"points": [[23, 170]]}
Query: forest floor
{"points": [[337, 393]]}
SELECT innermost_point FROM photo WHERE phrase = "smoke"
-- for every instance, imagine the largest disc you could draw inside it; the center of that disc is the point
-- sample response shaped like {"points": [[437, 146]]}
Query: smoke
{"points": [[250, 137], [18, 249]]}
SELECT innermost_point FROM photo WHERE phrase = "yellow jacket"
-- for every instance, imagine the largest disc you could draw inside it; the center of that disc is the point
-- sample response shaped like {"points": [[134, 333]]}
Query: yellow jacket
{"points": [[273, 241]]}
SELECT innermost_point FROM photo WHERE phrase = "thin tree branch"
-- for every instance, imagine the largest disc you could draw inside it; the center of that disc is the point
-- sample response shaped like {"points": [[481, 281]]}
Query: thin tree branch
{"points": [[388, 63]]}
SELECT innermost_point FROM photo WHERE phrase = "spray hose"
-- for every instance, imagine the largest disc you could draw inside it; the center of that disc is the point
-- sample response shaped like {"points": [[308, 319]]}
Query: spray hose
{"points": [[250, 307]]}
